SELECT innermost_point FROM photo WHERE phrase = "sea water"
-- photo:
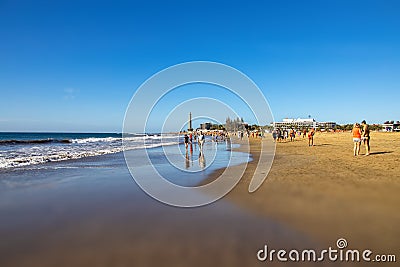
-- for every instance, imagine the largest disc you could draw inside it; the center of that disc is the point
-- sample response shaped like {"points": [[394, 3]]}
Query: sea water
{"points": [[37, 158], [24, 149]]}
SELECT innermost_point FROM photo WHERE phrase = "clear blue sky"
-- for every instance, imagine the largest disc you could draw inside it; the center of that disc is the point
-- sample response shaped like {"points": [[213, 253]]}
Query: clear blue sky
{"points": [[74, 65]]}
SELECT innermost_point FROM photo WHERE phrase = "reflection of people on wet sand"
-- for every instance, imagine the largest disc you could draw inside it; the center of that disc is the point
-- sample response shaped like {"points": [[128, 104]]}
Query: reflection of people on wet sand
{"points": [[311, 137], [228, 144], [201, 140], [187, 161], [202, 160], [365, 137], [356, 138]]}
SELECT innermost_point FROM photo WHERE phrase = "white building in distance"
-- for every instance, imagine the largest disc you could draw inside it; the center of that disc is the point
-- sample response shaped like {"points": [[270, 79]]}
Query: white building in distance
{"points": [[302, 124], [391, 126]]}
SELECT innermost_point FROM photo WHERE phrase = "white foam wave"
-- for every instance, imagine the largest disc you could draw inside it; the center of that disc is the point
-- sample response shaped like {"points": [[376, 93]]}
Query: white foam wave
{"points": [[119, 139], [85, 148]]}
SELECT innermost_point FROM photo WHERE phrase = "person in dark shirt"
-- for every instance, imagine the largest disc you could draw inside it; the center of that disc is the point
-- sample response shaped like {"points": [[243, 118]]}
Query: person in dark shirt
{"points": [[186, 140]]}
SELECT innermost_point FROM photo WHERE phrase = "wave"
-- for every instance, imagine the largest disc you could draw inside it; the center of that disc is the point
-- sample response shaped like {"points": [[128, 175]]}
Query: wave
{"points": [[34, 141], [84, 140], [62, 155]]}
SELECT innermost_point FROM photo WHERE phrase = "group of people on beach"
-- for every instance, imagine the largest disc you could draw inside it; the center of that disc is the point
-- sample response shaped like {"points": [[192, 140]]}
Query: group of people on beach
{"points": [[188, 139], [282, 135], [361, 134]]}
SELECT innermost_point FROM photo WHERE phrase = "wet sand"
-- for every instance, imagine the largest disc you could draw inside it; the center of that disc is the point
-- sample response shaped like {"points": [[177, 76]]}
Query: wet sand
{"points": [[95, 215]]}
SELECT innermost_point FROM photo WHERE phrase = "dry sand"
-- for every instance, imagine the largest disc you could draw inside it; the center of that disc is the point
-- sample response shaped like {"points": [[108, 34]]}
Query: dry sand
{"points": [[327, 193]]}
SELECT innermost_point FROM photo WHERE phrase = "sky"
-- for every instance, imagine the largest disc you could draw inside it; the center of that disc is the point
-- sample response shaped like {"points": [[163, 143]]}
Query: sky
{"points": [[75, 65]]}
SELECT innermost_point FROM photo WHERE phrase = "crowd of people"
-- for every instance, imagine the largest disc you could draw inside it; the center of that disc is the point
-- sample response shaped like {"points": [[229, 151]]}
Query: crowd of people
{"points": [[200, 137], [280, 135], [360, 133]]}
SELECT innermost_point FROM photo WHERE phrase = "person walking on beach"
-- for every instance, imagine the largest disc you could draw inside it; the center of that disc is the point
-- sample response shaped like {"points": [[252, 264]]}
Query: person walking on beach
{"points": [[201, 139], [279, 134], [274, 135], [186, 140], [292, 135], [365, 137], [311, 137], [356, 138]]}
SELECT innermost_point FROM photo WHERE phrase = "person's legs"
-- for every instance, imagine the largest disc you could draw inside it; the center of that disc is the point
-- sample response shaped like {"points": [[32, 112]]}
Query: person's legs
{"points": [[358, 148], [367, 147], [355, 149]]}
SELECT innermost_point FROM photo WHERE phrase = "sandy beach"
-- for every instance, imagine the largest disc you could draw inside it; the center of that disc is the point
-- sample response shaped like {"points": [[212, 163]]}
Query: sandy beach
{"points": [[327, 193], [95, 215]]}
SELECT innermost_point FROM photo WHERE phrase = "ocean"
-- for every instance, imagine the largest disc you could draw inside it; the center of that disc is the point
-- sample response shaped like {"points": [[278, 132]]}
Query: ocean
{"points": [[27, 154], [37, 158], [25, 149]]}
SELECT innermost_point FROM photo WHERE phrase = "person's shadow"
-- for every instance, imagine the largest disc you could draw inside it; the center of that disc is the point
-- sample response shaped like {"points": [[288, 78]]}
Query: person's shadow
{"points": [[380, 152]]}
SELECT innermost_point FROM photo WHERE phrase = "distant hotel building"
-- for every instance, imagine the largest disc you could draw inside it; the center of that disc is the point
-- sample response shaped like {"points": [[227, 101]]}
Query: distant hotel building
{"points": [[302, 123], [391, 126], [205, 126]]}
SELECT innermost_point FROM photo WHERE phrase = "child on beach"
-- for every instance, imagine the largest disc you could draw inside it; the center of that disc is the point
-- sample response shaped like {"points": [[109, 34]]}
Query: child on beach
{"points": [[356, 138]]}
